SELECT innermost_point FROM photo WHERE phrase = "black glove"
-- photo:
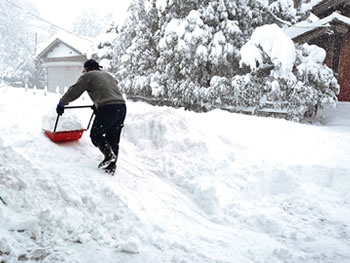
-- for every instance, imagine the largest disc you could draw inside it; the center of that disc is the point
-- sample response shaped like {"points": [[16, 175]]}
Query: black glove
{"points": [[60, 108]]}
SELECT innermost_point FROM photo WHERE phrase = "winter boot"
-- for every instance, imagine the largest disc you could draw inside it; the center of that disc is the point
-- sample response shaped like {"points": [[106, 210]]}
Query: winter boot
{"points": [[110, 169], [108, 154]]}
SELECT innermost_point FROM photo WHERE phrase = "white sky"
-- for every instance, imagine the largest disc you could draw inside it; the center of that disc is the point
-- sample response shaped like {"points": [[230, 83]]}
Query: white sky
{"points": [[64, 12]]}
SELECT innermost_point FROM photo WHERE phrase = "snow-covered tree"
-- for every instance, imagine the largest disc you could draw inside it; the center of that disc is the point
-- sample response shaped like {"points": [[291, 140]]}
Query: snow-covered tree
{"points": [[187, 40], [134, 47], [296, 80], [103, 51], [138, 59], [17, 45], [189, 52], [288, 11]]}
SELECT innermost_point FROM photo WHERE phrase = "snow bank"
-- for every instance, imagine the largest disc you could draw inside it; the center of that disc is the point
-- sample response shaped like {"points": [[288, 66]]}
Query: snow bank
{"points": [[210, 187]]}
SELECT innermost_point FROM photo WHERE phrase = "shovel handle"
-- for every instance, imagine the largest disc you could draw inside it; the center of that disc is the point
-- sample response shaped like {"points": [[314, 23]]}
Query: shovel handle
{"points": [[74, 107], [92, 115], [77, 107], [58, 116]]}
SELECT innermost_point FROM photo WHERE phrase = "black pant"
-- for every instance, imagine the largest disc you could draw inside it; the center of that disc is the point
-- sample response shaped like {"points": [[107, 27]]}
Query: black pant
{"points": [[107, 126]]}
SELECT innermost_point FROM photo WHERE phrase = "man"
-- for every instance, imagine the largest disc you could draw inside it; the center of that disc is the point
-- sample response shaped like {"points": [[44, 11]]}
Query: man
{"points": [[109, 107]]}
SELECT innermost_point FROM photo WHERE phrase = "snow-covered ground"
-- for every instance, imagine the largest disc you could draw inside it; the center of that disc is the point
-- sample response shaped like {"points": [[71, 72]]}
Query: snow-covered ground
{"points": [[190, 187]]}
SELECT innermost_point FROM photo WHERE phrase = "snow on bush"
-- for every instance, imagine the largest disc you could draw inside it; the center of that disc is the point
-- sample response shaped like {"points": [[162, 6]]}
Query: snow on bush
{"points": [[311, 70], [297, 81], [291, 81], [191, 54], [284, 9], [269, 40]]}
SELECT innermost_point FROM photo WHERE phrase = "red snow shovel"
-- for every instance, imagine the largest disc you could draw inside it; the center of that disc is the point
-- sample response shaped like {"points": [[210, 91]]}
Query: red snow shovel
{"points": [[65, 136]]}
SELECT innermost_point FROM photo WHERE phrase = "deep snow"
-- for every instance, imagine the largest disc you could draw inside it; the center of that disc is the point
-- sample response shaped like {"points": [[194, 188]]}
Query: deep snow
{"points": [[190, 187]]}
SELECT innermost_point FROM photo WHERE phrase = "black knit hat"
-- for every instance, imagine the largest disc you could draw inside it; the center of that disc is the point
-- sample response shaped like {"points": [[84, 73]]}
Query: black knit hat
{"points": [[92, 64]]}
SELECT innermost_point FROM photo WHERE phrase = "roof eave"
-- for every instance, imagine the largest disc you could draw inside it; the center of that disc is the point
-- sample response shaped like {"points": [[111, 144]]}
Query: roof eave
{"points": [[310, 35], [53, 44], [335, 25]]}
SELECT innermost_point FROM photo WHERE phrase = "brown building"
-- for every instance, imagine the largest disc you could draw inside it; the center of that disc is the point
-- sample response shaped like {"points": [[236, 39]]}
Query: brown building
{"points": [[63, 57], [329, 28]]}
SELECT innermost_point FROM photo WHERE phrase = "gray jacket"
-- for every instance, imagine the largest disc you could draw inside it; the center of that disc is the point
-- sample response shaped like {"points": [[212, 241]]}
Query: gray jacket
{"points": [[101, 87]]}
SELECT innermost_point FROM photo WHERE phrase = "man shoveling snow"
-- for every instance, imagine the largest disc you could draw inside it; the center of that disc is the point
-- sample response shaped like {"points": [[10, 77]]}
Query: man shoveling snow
{"points": [[109, 107]]}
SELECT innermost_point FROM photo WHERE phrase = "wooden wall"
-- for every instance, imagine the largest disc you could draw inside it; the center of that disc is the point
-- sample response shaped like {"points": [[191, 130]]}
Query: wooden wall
{"points": [[344, 71]]}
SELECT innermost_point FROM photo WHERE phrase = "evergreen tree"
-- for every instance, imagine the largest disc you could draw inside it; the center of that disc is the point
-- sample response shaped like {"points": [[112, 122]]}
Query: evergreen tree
{"points": [[105, 45], [288, 11], [204, 43], [136, 49]]}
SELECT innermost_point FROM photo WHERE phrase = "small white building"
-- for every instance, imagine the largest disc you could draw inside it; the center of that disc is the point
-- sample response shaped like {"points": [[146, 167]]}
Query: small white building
{"points": [[63, 57]]}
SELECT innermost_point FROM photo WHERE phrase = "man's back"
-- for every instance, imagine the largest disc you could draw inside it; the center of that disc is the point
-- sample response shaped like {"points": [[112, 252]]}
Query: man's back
{"points": [[101, 87]]}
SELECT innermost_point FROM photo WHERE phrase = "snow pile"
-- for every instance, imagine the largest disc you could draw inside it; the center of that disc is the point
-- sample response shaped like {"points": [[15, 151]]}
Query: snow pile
{"points": [[67, 122], [42, 216], [211, 187]]}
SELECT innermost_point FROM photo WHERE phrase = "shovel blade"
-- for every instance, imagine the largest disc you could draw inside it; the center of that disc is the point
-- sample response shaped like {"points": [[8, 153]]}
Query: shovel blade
{"points": [[64, 136]]}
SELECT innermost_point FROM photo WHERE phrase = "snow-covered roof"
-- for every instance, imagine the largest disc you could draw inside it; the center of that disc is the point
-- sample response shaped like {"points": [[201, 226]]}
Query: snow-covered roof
{"points": [[80, 44], [313, 23]]}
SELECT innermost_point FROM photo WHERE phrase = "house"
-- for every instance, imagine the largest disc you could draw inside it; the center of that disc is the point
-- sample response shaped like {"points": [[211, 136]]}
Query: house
{"points": [[329, 27], [63, 57]]}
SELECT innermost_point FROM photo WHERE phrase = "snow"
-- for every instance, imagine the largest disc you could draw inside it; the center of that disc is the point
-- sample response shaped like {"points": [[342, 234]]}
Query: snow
{"points": [[274, 42], [313, 23], [176, 26], [68, 122], [194, 18], [315, 54], [190, 187], [160, 4], [286, 5], [106, 39]]}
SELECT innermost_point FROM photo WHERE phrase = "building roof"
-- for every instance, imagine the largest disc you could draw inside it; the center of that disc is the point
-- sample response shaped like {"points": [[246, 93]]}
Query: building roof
{"points": [[314, 23], [81, 45], [324, 5]]}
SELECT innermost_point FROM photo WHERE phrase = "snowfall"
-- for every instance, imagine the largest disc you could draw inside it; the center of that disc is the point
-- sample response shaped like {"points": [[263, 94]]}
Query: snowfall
{"points": [[190, 187]]}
